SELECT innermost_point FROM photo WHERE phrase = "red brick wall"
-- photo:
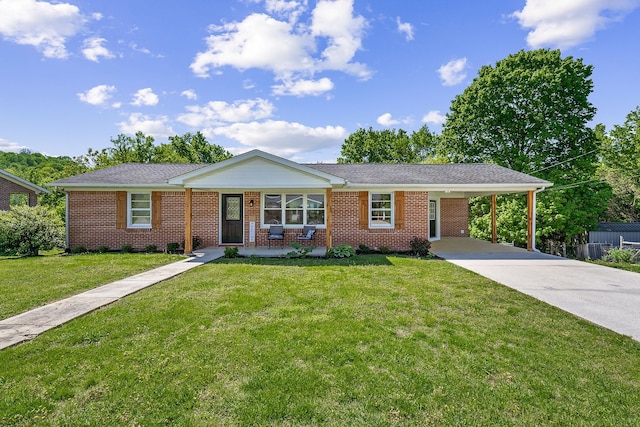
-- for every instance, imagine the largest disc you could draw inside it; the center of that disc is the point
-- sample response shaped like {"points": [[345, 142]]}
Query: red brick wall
{"points": [[92, 221], [7, 187], [454, 216], [346, 228], [205, 217]]}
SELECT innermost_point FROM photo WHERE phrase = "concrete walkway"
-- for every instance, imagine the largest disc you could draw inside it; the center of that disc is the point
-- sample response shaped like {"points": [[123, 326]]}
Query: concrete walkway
{"points": [[605, 296], [28, 325]]}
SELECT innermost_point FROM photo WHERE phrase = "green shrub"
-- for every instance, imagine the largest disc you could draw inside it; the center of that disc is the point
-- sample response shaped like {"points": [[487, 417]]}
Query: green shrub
{"points": [[620, 256], [420, 246], [127, 249], [364, 249], [27, 230], [231, 252], [196, 242], [151, 249], [341, 251], [385, 250], [79, 250], [102, 249], [173, 247], [300, 251]]}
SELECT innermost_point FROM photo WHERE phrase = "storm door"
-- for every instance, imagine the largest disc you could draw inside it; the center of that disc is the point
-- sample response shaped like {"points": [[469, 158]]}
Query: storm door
{"points": [[232, 230]]}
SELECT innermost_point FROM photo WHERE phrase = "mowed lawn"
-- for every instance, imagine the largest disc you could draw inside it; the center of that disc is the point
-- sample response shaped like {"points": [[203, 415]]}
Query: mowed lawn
{"points": [[27, 283], [401, 341]]}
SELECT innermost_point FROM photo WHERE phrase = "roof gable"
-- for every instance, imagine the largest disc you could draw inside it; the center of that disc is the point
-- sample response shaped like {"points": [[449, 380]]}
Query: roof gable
{"points": [[256, 169], [22, 182]]}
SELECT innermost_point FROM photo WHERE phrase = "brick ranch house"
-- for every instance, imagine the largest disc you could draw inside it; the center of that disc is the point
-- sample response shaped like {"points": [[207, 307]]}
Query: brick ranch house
{"points": [[235, 201], [11, 185]]}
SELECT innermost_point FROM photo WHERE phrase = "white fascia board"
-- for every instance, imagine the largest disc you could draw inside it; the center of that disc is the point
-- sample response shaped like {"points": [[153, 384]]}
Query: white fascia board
{"points": [[111, 187], [458, 188]]}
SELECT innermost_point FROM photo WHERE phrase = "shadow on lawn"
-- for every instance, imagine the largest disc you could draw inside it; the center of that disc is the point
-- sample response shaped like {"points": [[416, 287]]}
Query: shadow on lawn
{"points": [[309, 261]]}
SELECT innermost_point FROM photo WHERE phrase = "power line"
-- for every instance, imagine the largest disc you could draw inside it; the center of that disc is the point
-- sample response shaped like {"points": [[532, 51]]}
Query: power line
{"points": [[565, 161]]}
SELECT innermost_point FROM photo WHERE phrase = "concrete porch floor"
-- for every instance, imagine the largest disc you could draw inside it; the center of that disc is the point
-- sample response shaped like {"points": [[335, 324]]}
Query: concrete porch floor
{"points": [[260, 251], [467, 248]]}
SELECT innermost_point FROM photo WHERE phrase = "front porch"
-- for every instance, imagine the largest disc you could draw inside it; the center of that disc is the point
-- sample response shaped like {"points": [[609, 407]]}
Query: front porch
{"points": [[258, 251]]}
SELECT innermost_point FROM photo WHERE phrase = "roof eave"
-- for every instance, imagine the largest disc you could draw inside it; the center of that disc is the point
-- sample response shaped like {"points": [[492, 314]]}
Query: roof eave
{"points": [[23, 182]]}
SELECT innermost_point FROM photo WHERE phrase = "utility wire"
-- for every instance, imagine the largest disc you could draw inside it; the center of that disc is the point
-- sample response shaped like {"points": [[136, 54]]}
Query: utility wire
{"points": [[565, 161]]}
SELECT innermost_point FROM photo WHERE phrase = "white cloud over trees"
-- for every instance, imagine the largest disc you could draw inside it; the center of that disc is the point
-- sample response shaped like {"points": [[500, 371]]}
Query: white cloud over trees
{"points": [[564, 24]]}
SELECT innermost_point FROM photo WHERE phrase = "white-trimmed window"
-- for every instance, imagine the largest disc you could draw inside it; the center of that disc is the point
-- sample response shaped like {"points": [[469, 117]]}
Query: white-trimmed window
{"points": [[381, 210], [139, 210], [294, 209]]}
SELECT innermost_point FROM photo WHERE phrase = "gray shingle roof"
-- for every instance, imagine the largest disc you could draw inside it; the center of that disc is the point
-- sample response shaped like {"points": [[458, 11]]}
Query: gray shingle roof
{"points": [[424, 174], [131, 174]]}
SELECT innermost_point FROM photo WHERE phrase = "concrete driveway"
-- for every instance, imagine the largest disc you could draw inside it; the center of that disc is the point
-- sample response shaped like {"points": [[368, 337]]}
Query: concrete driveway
{"points": [[602, 295]]}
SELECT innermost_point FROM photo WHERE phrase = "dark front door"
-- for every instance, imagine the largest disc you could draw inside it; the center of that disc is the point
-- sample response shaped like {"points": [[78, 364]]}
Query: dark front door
{"points": [[232, 231]]}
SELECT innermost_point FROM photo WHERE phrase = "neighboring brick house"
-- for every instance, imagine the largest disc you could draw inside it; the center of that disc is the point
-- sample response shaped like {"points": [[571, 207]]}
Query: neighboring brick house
{"points": [[13, 185], [235, 201]]}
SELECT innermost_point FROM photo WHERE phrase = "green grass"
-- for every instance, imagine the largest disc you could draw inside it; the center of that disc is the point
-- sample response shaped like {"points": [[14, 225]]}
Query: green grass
{"points": [[398, 341], [26, 283], [635, 267]]}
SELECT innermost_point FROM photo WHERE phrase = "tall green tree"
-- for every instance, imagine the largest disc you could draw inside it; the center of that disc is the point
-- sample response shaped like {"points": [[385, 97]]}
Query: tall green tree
{"points": [[194, 148], [389, 146], [530, 112], [188, 148], [621, 168], [126, 149]]}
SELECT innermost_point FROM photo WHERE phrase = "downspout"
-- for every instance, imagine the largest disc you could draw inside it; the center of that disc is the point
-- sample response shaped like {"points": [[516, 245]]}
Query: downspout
{"points": [[535, 194]]}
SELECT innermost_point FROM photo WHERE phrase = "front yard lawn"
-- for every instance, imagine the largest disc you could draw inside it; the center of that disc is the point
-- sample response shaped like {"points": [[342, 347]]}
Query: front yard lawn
{"points": [[27, 283], [400, 342]]}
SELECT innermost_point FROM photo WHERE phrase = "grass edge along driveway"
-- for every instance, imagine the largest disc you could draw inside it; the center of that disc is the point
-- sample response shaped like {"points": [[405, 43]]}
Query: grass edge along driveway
{"points": [[399, 342]]}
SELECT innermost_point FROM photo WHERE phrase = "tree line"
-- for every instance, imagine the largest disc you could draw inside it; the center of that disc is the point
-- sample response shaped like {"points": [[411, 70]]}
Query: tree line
{"points": [[529, 112]]}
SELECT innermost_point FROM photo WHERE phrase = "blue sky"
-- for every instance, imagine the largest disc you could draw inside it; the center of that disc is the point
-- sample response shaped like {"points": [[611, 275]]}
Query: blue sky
{"points": [[290, 77]]}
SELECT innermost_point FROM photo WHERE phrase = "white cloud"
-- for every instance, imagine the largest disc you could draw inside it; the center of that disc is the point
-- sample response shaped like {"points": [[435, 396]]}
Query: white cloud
{"points": [[14, 147], [406, 28], [283, 138], [157, 127], [46, 26], [220, 112], [335, 21], [93, 49], [285, 48], [291, 10], [98, 95], [453, 72], [145, 97], [259, 41], [189, 94], [303, 87], [434, 117], [564, 24], [386, 120]]}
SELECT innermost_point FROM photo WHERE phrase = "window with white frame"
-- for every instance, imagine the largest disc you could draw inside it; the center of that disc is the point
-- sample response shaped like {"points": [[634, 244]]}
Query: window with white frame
{"points": [[139, 210], [294, 209], [381, 210]]}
